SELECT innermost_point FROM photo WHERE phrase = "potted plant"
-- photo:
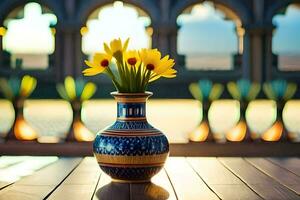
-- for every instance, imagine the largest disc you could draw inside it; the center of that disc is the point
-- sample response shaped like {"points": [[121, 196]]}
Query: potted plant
{"points": [[205, 92], [76, 92], [279, 91], [130, 150], [243, 91], [17, 91]]}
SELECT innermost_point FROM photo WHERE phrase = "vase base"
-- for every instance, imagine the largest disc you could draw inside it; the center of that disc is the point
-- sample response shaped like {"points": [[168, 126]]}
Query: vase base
{"points": [[130, 181]]}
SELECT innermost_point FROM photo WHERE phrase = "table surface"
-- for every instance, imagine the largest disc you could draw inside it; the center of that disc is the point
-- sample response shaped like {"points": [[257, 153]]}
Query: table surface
{"points": [[185, 178]]}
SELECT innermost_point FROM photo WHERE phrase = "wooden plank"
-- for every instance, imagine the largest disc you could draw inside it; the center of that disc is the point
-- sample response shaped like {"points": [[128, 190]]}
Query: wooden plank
{"points": [[186, 182], [221, 180], [12, 168], [280, 174], [262, 184], [291, 164], [7, 161], [4, 184], [81, 183], [38, 185]]}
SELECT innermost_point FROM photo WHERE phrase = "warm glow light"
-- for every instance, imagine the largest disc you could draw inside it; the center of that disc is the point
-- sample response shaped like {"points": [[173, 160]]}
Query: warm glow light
{"points": [[48, 139], [53, 31], [2, 31], [274, 133], [23, 131], [237, 133], [200, 133], [114, 21], [84, 30], [81, 133]]}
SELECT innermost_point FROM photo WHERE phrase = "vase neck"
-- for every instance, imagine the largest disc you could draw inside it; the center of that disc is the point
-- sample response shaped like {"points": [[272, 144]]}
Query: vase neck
{"points": [[134, 111], [131, 107]]}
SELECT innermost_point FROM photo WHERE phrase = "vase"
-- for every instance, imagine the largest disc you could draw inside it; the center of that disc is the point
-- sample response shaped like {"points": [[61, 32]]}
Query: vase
{"points": [[277, 131], [202, 133], [131, 150], [240, 132], [20, 129], [78, 131]]}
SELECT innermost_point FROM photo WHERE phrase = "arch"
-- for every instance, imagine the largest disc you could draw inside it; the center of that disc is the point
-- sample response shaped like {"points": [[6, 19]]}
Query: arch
{"points": [[236, 7], [24, 51], [8, 6], [215, 32], [285, 41], [86, 8], [116, 20], [276, 7]]}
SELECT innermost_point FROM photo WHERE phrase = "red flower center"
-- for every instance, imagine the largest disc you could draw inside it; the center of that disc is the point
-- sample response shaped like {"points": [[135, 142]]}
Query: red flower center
{"points": [[150, 67], [104, 63], [131, 61]]}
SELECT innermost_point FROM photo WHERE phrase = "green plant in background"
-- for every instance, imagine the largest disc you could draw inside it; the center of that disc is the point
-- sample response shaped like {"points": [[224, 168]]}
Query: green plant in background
{"points": [[17, 91], [206, 92], [280, 91], [15, 88], [76, 92], [244, 91]]}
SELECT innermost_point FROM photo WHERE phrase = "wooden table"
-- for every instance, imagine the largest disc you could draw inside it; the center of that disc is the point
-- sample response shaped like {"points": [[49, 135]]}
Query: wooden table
{"points": [[186, 178]]}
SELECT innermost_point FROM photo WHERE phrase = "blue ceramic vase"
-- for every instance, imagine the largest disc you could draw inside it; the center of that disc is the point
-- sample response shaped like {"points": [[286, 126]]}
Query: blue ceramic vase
{"points": [[131, 150]]}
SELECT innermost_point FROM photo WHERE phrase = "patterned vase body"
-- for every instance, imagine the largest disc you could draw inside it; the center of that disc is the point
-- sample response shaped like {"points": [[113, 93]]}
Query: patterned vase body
{"points": [[131, 150]]}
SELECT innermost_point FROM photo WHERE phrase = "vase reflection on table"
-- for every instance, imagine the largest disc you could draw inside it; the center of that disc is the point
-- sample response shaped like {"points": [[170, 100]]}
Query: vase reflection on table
{"points": [[145, 191]]}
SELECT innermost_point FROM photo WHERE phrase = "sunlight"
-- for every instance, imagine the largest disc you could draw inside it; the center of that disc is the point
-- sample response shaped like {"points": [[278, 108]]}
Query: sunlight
{"points": [[114, 21], [37, 39]]}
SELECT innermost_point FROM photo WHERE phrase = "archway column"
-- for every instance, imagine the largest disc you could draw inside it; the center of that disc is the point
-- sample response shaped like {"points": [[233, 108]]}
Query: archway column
{"points": [[71, 51], [269, 56], [165, 38], [67, 44], [58, 55], [1, 51], [255, 51]]}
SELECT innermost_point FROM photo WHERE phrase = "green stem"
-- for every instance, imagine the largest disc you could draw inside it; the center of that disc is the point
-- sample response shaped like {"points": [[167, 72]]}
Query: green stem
{"points": [[113, 78]]}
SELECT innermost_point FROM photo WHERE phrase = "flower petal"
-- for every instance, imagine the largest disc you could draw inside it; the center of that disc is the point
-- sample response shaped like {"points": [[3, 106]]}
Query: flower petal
{"points": [[93, 71], [107, 49], [126, 44], [90, 64]]}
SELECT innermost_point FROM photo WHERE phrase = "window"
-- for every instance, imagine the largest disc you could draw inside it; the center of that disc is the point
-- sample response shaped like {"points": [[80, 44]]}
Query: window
{"points": [[286, 39], [210, 37], [28, 38], [114, 21]]}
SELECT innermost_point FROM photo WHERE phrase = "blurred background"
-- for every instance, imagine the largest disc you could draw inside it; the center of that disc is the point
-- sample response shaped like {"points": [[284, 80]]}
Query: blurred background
{"points": [[238, 65]]}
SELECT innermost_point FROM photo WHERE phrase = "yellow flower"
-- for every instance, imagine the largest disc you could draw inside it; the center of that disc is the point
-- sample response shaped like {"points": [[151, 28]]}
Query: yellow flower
{"points": [[116, 48], [132, 58], [165, 68], [98, 65], [150, 58], [159, 67]]}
